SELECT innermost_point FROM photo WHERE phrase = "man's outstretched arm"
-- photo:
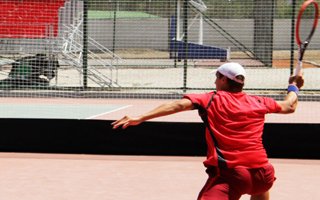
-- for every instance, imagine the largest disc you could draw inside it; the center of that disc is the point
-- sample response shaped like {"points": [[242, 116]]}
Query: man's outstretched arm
{"points": [[162, 110], [289, 104]]}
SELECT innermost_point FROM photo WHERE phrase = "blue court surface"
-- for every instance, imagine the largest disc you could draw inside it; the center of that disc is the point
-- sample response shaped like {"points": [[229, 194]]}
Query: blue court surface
{"points": [[57, 111]]}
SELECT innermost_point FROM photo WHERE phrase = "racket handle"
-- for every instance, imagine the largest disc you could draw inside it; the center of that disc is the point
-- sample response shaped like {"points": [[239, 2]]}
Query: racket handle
{"points": [[299, 68]]}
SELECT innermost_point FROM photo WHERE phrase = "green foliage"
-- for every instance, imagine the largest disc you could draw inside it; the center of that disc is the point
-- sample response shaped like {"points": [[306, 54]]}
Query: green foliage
{"points": [[119, 14], [230, 9], [222, 9]]}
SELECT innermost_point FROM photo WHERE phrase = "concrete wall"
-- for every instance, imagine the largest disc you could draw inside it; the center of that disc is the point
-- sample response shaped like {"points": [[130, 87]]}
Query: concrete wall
{"points": [[153, 33]]}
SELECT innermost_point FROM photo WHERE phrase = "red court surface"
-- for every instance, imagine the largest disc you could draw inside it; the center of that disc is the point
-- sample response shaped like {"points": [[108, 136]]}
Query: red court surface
{"points": [[107, 177]]}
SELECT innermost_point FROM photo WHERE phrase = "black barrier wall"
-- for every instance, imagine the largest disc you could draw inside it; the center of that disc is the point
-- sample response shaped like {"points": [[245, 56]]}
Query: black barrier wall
{"points": [[149, 138]]}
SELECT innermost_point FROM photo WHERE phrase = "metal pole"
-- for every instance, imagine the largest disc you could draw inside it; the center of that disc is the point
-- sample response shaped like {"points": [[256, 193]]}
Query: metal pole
{"points": [[293, 12], [200, 30], [85, 44], [185, 41], [178, 20], [176, 30], [114, 27]]}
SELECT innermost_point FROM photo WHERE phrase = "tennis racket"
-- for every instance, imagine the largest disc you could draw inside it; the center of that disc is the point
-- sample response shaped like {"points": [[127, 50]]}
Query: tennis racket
{"points": [[306, 25]]}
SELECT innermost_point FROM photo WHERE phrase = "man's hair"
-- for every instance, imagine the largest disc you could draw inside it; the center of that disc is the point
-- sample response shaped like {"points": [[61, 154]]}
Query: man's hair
{"points": [[235, 86]]}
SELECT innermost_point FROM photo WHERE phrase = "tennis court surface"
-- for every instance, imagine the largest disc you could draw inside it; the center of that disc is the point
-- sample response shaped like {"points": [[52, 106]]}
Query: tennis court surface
{"points": [[112, 109], [68, 150], [107, 177]]}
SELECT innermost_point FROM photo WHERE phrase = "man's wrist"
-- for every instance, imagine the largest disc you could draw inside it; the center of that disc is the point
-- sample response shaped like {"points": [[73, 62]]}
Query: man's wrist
{"points": [[293, 88]]}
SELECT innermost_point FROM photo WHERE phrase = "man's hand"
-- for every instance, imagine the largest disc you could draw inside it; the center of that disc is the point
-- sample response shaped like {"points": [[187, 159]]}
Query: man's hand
{"points": [[297, 81], [126, 121], [289, 104]]}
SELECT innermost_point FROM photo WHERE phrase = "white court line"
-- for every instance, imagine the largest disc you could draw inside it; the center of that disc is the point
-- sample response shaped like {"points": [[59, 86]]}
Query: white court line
{"points": [[121, 108]]}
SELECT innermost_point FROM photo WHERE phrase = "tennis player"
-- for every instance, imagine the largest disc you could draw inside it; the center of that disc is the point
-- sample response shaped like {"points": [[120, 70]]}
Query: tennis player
{"points": [[236, 162]]}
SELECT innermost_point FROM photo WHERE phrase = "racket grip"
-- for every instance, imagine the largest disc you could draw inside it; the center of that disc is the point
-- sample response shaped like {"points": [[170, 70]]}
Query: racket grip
{"points": [[299, 68]]}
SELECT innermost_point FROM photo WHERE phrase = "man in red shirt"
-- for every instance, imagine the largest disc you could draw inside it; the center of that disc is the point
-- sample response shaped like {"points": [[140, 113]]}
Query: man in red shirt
{"points": [[236, 162]]}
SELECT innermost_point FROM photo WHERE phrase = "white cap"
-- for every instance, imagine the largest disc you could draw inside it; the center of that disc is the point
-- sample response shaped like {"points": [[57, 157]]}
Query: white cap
{"points": [[232, 70]]}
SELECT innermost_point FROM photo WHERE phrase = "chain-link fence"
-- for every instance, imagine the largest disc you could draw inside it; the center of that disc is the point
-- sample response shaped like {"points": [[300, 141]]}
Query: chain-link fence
{"points": [[147, 46]]}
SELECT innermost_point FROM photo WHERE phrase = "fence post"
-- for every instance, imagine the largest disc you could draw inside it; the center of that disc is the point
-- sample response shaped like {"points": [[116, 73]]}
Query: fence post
{"points": [[185, 42], [115, 6], [85, 44]]}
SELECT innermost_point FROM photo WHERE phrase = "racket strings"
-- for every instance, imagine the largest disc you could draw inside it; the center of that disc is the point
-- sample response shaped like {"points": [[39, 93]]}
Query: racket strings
{"points": [[307, 21]]}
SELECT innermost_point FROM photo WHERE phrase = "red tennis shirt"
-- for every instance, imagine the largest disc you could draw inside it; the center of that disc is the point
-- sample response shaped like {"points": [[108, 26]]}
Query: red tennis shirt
{"points": [[234, 127]]}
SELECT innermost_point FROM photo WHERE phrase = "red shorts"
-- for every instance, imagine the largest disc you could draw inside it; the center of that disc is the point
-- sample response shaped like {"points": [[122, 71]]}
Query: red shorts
{"points": [[230, 184]]}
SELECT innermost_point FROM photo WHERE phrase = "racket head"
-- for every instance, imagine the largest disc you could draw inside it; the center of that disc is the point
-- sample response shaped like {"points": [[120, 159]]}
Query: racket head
{"points": [[307, 21], [305, 28]]}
